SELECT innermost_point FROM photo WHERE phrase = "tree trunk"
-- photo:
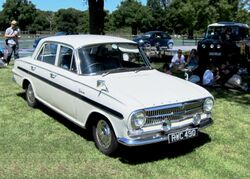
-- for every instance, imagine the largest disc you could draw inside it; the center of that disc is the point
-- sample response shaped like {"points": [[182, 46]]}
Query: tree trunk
{"points": [[96, 16], [190, 33], [134, 29]]}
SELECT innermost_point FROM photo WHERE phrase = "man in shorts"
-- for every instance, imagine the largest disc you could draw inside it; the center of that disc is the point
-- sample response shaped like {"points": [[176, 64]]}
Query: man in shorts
{"points": [[12, 34]]}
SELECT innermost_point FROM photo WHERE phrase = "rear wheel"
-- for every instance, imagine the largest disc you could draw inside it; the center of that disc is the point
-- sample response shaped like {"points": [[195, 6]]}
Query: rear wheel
{"points": [[104, 137], [30, 97]]}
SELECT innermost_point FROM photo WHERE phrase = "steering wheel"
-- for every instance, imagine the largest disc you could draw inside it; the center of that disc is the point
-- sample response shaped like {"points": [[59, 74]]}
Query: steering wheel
{"points": [[92, 67]]}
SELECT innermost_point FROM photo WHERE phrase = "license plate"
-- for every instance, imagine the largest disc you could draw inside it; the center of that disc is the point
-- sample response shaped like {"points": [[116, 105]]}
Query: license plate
{"points": [[214, 53], [182, 135]]}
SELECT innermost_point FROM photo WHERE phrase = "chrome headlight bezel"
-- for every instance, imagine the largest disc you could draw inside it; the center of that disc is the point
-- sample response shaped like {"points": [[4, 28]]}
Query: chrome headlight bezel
{"points": [[137, 120], [203, 46], [208, 105]]}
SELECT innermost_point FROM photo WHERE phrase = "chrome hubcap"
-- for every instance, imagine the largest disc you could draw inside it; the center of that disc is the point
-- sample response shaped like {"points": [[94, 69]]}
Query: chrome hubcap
{"points": [[30, 94], [103, 133]]}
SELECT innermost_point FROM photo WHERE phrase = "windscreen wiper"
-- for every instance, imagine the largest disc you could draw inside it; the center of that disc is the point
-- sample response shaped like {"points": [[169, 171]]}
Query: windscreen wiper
{"points": [[142, 68], [113, 71]]}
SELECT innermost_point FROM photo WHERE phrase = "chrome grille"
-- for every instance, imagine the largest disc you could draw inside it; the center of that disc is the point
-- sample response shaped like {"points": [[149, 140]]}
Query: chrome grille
{"points": [[181, 111]]}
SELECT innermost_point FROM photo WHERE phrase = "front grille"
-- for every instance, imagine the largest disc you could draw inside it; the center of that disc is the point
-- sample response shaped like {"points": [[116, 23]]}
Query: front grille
{"points": [[176, 112]]}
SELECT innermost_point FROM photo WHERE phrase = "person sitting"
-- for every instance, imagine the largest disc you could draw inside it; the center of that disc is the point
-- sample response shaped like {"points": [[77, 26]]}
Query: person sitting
{"points": [[178, 61], [192, 60], [231, 78], [210, 76]]}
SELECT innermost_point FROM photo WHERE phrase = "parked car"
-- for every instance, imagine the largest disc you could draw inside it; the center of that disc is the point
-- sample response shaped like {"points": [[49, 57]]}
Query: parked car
{"points": [[224, 41], [106, 84], [156, 39]]}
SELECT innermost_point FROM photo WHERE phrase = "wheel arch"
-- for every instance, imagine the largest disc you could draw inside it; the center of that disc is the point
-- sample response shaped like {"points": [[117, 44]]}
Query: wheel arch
{"points": [[94, 117], [25, 84]]}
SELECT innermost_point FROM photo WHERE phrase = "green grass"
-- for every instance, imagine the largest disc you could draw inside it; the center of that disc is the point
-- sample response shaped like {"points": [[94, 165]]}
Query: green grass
{"points": [[38, 143]]}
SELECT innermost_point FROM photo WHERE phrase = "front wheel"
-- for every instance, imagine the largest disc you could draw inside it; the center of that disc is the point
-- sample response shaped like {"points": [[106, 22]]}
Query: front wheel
{"points": [[30, 96], [104, 137]]}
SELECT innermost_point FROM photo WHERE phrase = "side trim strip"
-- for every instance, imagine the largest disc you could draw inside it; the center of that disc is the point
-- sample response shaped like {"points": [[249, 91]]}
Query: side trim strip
{"points": [[83, 98]]}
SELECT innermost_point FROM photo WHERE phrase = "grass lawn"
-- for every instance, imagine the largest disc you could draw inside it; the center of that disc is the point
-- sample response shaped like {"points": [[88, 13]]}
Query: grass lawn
{"points": [[38, 143]]}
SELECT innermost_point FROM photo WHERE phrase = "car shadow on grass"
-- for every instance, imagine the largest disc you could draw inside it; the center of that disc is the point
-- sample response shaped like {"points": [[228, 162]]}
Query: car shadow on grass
{"points": [[232, 95], [160, 151], [61, 119], [134, 155]]}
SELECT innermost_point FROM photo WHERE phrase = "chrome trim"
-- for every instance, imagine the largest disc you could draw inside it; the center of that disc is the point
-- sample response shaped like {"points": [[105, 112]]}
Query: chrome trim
{"points": [[160, 136], [174, 113]]}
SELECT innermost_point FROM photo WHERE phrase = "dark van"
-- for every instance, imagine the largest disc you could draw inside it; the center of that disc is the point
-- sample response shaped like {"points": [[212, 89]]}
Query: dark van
{"points": [[224, 41]]}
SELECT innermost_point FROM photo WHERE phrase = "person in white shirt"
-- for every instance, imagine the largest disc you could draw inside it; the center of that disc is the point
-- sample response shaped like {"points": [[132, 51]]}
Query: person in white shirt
{"points": [[208, 78], [12, 34], [178, 60]]}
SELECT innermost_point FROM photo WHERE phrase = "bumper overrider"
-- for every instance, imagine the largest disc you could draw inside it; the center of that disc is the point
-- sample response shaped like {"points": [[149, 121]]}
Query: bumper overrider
{"points": [[169, 123]]}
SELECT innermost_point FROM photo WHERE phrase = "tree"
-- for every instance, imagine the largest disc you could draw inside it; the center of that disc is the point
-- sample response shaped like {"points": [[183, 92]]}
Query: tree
{"points": [[68, 20], [133, 14], [14, 9], [42, 21], [158, 12], [243, 14], [187, 16]]}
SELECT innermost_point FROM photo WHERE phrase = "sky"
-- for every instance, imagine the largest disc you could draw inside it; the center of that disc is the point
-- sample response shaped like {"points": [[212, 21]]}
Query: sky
{"points": [[54, 5]]}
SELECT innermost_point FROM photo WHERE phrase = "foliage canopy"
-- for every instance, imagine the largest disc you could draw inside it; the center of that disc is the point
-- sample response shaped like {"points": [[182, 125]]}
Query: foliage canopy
{"points": [[178, 17]]}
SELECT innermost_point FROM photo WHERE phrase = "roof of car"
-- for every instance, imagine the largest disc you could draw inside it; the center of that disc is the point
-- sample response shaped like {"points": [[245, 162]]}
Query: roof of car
{"points": [[83, 40], [229, 24]]}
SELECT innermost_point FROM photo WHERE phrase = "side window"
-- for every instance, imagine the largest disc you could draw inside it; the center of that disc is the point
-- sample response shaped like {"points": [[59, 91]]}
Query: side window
{"points": [[66, 59], [158, 35], [48, 53]]}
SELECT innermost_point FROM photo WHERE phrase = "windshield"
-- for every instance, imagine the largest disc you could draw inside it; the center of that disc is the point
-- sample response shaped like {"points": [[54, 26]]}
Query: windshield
{"points": [[224, 33], [103, 58]]}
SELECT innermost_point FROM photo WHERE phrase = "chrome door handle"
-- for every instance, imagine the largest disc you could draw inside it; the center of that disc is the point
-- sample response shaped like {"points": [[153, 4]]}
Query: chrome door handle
{"points": [[52, 75], [32, 68]]}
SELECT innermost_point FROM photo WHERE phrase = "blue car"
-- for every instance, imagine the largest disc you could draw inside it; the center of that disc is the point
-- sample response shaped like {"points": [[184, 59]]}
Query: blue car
{"points": [[37, 40], [155, 39]]}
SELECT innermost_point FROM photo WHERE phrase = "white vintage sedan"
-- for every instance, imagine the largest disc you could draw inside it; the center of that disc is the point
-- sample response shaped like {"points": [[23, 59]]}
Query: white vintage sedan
{"points": [[106, 84]]}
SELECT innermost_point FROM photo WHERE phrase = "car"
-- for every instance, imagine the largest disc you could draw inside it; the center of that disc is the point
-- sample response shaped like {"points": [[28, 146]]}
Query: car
{"points": [[224, 41], [106, 85], [155, 39]]}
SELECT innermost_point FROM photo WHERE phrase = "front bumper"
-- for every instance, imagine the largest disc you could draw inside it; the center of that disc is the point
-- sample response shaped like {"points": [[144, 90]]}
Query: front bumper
{"points": [[160, 136]]}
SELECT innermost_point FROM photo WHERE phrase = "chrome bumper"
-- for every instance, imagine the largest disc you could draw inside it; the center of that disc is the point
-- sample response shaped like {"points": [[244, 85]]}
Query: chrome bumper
{"points": [[160, 136]]}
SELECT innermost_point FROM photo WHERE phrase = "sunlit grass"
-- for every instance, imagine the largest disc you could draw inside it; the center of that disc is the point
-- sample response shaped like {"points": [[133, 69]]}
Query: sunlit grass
{"points": [[38, 143]]}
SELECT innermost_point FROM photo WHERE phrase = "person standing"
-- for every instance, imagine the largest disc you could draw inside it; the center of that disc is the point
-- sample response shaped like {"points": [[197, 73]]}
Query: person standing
{"points": [[12, 34]]}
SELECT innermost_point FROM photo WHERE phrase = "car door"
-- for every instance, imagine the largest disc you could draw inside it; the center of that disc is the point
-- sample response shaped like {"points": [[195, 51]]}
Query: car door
{"points": [[41, 70], [65, 81]]}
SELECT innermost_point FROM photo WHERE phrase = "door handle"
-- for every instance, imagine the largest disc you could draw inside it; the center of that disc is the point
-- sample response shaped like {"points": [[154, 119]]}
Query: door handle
{"points": [[52, 75], [32, 68]]}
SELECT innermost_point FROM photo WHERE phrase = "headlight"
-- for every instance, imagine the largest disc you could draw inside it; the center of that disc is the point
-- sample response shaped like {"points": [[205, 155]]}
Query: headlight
{"points": [[212, 46], [208, 105], [137, 120], [141, 41], [218, 46], [203, 46]]}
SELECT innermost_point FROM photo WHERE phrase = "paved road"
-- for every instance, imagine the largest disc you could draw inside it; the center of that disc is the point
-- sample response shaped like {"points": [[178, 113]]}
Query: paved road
{"points": [[26, 48]]}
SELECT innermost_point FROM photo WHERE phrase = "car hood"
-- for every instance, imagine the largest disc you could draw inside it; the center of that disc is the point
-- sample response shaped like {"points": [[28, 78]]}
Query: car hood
{"points": [[152, 88]]}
